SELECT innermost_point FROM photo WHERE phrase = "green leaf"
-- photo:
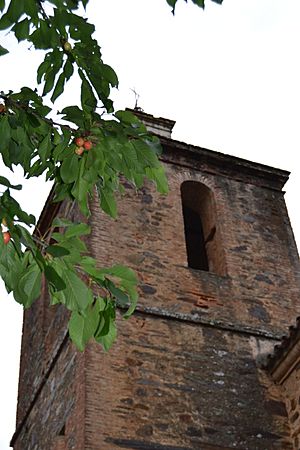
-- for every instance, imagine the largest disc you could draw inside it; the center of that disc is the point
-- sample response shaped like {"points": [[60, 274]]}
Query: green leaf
{"points": [[43, 67], [77, 292], [59, 87], [50, 37], [21, 29], [61, 222], [125, 292], [110, 75], [42, 36], [121, 297], [127, 117], [14, 208], [62, 192], [88, 264], [31, 8], [54, 279], [25, 237], [7, 254], [50, 78], [4, 132], [107, 333], [33, 120], [84, 2], [74, 243], [107, 201], [7, 183], [69, 169], [133, 296], [128, 285], [77, 230], [15, 10], [76, 296], [76, 330], [3, 51], [88, 99], [68, 69], [124, 272], [15, 271], [82, 327], [154, 145], [62, 151], [157, 174], [81, 188], [172, 3], [56, 251], [5, 22], [30, 284], [73, 114], [199, 3], [44, 148], [56, 59]]}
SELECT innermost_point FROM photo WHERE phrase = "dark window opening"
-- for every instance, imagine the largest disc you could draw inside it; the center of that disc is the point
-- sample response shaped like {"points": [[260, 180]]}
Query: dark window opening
{"points": [[203, 240], [194, 238]]}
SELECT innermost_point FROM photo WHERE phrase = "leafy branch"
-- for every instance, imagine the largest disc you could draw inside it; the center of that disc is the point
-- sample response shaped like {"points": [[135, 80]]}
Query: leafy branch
{"points": [[82, 153]]}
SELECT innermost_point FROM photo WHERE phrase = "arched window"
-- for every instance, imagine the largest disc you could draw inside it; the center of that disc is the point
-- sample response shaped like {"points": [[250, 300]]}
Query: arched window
{"points": [[194, 239], [203, 246]]}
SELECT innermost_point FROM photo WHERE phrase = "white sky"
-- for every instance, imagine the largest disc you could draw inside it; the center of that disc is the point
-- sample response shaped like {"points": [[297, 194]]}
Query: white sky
{"points": [[229, 76]]}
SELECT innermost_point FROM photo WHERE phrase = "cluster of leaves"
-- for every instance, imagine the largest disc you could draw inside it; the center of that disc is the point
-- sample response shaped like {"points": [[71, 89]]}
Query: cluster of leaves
{"points": [[119, 147], [73, 278]]}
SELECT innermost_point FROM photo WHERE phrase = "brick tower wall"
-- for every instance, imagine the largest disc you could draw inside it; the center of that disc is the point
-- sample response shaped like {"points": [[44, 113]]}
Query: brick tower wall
{"points": [[183, 373]]}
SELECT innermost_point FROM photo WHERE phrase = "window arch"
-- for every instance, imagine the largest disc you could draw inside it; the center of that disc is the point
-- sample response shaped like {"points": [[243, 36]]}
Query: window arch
{"points": [[202, 238]]}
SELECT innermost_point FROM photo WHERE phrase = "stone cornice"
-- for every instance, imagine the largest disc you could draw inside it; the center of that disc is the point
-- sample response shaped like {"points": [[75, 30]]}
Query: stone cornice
{"points": [[198, 158]]}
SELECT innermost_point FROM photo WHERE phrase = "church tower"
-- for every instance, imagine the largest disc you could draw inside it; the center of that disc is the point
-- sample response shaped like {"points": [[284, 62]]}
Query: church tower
{"points": [[219, 285]]}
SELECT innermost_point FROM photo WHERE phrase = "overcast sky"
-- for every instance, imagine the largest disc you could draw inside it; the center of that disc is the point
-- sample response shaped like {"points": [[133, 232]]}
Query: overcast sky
{"points": [[229, 76]]}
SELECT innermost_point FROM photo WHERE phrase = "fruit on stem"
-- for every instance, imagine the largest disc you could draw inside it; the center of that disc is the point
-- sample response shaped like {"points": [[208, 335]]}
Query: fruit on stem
{"points": [[79, 141], [67, 47], [79, 150], [6, 237], [87, 145]]}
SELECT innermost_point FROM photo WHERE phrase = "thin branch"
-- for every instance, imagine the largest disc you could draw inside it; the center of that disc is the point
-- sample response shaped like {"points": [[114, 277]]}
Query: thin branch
{"points": [[28, 108], [43, 12], [38, 241]]}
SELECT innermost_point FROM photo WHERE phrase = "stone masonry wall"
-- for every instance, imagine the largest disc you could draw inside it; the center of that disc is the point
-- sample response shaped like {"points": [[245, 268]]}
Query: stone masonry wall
{"points": [[55, 420], [173, 385]]}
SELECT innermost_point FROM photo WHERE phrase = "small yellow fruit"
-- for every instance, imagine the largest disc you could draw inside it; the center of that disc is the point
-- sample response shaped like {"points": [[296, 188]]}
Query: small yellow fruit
{"points": [[67, 47], [4, 222]]}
